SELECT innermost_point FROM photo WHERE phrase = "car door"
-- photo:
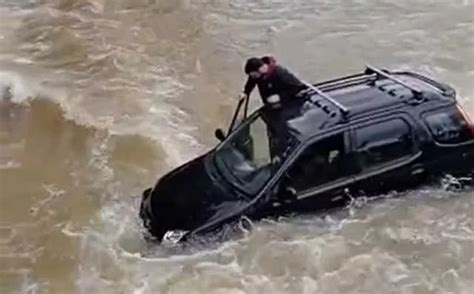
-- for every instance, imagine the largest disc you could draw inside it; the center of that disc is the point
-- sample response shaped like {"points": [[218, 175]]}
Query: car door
{"points": [[386, 154], [320, 173]]}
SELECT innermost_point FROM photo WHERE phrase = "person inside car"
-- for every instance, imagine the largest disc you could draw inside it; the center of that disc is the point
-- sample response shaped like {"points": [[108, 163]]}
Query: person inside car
{"points": [[275, 83]]}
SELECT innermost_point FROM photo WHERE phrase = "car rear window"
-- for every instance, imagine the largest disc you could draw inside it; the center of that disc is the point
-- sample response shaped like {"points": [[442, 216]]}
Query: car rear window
{"points": [[449, 127]]}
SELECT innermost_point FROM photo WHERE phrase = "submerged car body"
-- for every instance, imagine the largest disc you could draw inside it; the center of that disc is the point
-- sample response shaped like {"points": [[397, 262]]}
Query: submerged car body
{"points": [[358, 135]]}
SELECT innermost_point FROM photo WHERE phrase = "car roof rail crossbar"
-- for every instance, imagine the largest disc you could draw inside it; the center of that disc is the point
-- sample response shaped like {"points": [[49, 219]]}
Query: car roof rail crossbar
{"points": [[344, 110], [344, 79], [370, 69]]}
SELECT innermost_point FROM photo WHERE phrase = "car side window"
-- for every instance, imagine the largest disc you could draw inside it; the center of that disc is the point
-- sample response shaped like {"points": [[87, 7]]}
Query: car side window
{"points": [[320, 163], [383, 142]]}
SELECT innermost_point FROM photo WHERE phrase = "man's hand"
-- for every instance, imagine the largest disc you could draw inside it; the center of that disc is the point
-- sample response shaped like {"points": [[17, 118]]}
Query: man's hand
{"points": [[303, 93]]}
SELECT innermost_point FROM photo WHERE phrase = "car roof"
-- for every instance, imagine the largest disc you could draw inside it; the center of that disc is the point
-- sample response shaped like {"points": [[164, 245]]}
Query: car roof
{"points": [[361, 95]]}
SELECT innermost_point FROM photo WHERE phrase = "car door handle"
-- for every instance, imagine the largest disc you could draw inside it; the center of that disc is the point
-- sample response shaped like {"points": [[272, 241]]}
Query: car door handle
{"points": [[417, 171], [346, 193]]}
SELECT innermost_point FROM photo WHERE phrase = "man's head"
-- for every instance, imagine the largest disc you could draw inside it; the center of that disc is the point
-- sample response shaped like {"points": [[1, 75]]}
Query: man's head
{"points": [[255, 67]]}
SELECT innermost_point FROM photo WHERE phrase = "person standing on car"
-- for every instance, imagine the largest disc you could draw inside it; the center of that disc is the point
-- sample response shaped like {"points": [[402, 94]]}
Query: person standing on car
{"points": [[271, 79]]}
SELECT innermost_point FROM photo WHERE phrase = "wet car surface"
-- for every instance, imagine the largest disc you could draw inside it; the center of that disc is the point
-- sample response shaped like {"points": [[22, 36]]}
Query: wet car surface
{"points": [[358, 135]]}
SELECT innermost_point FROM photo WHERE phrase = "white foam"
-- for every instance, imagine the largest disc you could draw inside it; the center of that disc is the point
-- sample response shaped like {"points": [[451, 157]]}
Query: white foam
{"points": [[14, 88]]}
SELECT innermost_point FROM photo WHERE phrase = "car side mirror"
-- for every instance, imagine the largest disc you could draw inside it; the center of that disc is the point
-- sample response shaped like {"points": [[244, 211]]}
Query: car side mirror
{"points": [[219, 133]]}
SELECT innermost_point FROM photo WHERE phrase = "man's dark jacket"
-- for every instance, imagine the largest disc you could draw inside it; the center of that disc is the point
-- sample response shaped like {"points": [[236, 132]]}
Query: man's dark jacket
{"points": [[278, 81]]}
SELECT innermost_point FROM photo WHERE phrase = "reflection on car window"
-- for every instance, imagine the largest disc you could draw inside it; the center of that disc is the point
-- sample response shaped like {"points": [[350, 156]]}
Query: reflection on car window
{"points": [[320, 163], [449, 127], [248, 158], [383, 142]]}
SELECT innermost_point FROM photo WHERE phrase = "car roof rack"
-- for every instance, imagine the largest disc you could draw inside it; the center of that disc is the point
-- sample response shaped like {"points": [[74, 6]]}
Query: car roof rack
{"points": [[381, 73], [344, 110]]}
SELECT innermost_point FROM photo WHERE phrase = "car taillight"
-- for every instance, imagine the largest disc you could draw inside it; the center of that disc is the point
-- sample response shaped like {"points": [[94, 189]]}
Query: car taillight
{"points": [[466, 119]]}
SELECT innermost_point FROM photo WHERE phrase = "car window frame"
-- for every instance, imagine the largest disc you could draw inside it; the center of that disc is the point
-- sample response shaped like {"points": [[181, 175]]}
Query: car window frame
{"points": [[223, 174], [316, 190], [395, 163], [249, 119]]}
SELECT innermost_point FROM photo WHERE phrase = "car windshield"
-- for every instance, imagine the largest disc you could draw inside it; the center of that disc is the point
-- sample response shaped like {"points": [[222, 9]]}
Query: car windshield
{"points": [[250, 157]]}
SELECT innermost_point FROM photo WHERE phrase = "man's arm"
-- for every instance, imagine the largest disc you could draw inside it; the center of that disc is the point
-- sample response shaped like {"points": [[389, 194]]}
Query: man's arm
{"points": [[288, 79], [249, 86]]}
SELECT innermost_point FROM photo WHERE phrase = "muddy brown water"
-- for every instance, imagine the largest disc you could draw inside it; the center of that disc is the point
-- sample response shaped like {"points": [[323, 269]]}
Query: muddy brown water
{"points": [[100, 97]]}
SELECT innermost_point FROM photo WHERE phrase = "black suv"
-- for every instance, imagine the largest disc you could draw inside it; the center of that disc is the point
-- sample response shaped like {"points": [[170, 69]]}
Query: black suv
{"points": [[362, 134]]}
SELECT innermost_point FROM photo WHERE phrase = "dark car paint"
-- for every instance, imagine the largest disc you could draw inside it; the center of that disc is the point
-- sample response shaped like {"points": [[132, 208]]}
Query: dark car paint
{"points": [[191, 194], [391, 175], [197, 198]]}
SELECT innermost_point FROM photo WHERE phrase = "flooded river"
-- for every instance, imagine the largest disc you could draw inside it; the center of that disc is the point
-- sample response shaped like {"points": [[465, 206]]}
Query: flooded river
{"points": [[100, 97]]}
